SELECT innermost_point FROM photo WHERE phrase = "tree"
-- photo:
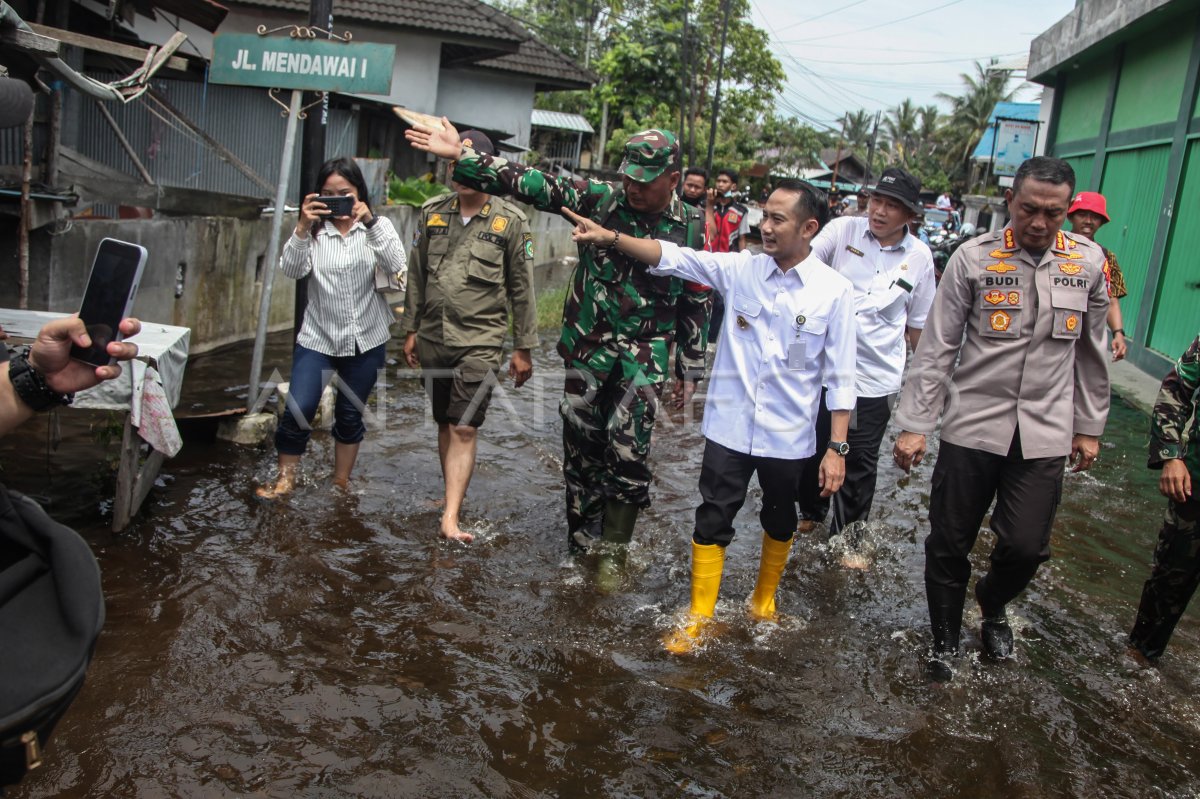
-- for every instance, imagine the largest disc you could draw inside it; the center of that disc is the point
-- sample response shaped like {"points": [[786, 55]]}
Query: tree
{"points": [[970, 112], [858, 127]]}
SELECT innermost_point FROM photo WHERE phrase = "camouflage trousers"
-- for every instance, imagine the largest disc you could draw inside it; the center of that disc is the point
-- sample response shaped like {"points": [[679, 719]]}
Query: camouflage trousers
{"points": [[607, 424], [1173, 579]]}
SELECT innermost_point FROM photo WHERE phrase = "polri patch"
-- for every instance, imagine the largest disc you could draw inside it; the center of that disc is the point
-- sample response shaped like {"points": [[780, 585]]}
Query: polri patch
{"points": [[1000, 320]]}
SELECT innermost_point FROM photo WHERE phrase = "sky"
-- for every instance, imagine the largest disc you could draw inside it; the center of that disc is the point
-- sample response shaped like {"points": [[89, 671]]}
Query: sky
{"points": [[843, 55]]}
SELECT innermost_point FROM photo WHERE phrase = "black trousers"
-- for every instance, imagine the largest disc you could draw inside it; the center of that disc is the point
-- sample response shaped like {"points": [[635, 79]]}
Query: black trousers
{"points": [[852, 503], [1027, 492], [724, 478]]}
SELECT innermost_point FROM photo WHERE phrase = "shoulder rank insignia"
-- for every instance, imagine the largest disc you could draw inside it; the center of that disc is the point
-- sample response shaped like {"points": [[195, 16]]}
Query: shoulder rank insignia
{"points": [[1000, 267], [1060, 241], [857, 252], [1000, 320], [436, 220], [1070, 269], [1010, 241], [499, 224]]}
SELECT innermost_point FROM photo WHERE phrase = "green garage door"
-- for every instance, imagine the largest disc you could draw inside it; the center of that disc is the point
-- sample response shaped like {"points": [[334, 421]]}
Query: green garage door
{"points": [[1133, 185], [1177, 313]]}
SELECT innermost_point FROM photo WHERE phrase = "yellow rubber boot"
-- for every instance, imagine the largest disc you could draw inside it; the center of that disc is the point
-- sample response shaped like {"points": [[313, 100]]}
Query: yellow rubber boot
{"points": [[708, 560], [770, 569]]}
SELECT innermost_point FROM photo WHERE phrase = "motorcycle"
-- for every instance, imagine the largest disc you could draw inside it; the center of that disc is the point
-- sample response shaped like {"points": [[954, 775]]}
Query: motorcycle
{"points": [[943, 242]]}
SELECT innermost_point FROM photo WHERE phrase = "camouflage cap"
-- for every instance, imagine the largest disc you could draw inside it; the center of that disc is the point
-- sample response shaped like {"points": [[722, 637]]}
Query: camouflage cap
{"points": [[648, 154]]}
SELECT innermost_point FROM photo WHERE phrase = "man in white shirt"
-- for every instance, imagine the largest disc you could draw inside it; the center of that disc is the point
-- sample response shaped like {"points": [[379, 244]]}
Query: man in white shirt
{"points": [[893, 277], [790, 330]]}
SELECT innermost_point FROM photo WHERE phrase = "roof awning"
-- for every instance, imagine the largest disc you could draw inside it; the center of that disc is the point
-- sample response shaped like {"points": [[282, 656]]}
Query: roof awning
{"points": [[560, 120]]}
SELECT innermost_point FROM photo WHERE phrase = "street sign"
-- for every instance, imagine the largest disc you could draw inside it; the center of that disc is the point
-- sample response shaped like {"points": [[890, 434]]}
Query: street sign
{"points": [[318, 65]]}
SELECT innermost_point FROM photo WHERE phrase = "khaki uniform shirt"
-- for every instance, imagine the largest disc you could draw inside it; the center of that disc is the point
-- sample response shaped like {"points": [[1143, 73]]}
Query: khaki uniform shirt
{"points": [[462, 278], [1013, 342]]}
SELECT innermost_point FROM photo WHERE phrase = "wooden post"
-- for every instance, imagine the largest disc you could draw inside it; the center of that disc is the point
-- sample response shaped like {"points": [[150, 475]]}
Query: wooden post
{"points": [[125, 145]]}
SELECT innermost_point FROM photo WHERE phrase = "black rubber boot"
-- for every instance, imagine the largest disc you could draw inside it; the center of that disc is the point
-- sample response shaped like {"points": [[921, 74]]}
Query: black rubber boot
{"points": [[619, 520], [1153, 626], [945, 620], [994, 631]]}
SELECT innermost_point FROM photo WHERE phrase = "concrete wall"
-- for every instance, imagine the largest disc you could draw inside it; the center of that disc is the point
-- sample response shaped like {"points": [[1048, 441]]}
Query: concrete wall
{"points": [[214, 264], [1087, 25], [487, 100]]}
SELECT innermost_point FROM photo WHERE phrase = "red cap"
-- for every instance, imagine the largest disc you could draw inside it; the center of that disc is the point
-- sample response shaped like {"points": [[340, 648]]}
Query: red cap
{"points": [[1090, 201]]}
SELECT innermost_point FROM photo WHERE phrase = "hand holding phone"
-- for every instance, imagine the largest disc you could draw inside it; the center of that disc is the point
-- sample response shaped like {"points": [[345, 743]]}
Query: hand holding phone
{"points": [[111, 288], [338, 205]]}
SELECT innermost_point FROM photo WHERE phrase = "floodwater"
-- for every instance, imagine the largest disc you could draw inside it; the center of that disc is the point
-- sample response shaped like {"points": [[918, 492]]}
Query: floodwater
{"points": [[336, 647]]}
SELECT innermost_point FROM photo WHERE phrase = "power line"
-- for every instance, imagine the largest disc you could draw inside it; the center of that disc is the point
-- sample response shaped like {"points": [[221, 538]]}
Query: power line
{"points": [[827, 13], [881, 24]]}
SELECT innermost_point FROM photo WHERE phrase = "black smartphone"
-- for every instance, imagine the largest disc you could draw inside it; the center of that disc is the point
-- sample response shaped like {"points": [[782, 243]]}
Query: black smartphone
{"points": [[338, 204], [108, 299]]}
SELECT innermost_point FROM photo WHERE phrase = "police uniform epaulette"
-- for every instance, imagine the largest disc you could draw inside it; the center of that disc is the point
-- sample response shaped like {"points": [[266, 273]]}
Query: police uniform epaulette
{"points": [[509, 207], [438, 199]]}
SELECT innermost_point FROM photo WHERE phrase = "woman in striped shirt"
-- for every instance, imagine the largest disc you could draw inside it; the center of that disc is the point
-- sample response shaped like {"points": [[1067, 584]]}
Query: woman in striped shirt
{"points": [[346, 322]]}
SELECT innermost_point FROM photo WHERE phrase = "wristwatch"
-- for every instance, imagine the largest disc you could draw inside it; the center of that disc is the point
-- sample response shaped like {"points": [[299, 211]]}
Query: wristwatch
{"points": [[840, 447], [29, 384]]}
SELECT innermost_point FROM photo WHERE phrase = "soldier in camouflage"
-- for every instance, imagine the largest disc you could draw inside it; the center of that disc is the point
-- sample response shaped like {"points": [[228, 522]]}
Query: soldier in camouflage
{"points": [[619, 321], [1176, 570]]}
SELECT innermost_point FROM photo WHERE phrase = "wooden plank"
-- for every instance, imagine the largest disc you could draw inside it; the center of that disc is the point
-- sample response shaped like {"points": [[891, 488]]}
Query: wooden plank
{"points": [[103, 45], [126, 477], [221, 150], [31, 43], [129, 151]]}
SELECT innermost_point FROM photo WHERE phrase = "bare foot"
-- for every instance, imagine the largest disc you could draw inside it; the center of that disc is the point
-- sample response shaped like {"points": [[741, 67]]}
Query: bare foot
{"points": [[452, 532], [855, 560], [342, 484], [283, 486], [805, 526]]}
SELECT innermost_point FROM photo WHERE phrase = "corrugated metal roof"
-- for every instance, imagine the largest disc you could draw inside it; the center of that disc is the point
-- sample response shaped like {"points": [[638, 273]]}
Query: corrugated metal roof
{"points": [[469, 17], [1003, 110], [560, 120]]}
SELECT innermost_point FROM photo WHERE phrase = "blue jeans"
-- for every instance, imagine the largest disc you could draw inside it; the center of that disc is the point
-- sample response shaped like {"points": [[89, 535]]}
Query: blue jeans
{"points": [[311, 372]]}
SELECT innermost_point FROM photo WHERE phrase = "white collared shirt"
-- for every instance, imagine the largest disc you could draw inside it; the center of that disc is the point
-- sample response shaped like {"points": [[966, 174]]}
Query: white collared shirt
{"points": [[756, 403], [344, 310], [893, 289]]}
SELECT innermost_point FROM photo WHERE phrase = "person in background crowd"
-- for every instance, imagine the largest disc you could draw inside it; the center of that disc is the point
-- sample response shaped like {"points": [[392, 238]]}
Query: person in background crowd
{"points": [[345, 327], [619, 321], [893, 278], [1088, 213], [793, 331], [472, 260], [729, 233], [945, 201], [1018, 326], [1176, 571], [695, 186]]}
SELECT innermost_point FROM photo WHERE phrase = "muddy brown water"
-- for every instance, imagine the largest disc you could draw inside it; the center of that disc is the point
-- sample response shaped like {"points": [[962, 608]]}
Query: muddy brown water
{"points": [[335, 647]]}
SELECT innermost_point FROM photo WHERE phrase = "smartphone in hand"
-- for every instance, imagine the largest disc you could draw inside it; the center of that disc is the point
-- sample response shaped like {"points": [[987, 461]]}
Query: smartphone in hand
{"points": [[108, 299], [338, 204]]}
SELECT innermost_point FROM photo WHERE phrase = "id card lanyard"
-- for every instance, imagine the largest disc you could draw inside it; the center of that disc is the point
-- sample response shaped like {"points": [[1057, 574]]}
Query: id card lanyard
{"points": [[796, 354]]}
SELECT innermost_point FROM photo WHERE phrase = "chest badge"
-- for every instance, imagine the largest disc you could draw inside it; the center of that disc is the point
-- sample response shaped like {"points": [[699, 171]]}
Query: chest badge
{"points": [[995, 297], [1000, 320], [436, 220], [499, 224], [857, 252], [1072, 322], [1014, 298], [1070, 269], [742, 323], [1000, 255], [1000, 267]]}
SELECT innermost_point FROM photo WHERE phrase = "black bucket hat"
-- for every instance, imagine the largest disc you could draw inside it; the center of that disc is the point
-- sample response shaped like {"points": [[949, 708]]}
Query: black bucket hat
{"points": [[900, 185]]}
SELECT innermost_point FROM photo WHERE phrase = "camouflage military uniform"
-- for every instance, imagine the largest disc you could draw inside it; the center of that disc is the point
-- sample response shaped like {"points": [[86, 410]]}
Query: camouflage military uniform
{"points": [[619, 323], [1176, 571]]}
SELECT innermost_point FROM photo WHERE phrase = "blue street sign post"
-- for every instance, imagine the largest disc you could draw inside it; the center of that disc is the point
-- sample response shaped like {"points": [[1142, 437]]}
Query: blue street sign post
{"points": [[300, 62]]}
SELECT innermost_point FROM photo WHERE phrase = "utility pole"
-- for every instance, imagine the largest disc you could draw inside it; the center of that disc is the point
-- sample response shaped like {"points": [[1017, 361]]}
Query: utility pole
{"points": [[683, 82], [871, 149], [712, 129], [312, 152], [837, 159]]}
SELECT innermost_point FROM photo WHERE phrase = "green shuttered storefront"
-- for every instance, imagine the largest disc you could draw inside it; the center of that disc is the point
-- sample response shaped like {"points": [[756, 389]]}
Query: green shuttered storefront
{"points": [[1127, 118]]}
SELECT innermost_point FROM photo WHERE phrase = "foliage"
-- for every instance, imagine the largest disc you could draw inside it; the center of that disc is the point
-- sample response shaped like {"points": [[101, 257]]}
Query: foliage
{"points": [[413, 191], [550, 307]]}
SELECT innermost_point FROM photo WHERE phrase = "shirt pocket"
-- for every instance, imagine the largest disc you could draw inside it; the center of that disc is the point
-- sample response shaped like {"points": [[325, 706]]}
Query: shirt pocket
{"points": [[812, 335], [486, 264], [1069, 307], [747, 313], [894, 306], [436, 250], [1000, 312]]}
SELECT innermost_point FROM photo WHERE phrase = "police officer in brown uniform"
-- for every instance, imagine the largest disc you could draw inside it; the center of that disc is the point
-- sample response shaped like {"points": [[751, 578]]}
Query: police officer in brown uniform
{"points": [[1013, 359], [473, 257]]}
